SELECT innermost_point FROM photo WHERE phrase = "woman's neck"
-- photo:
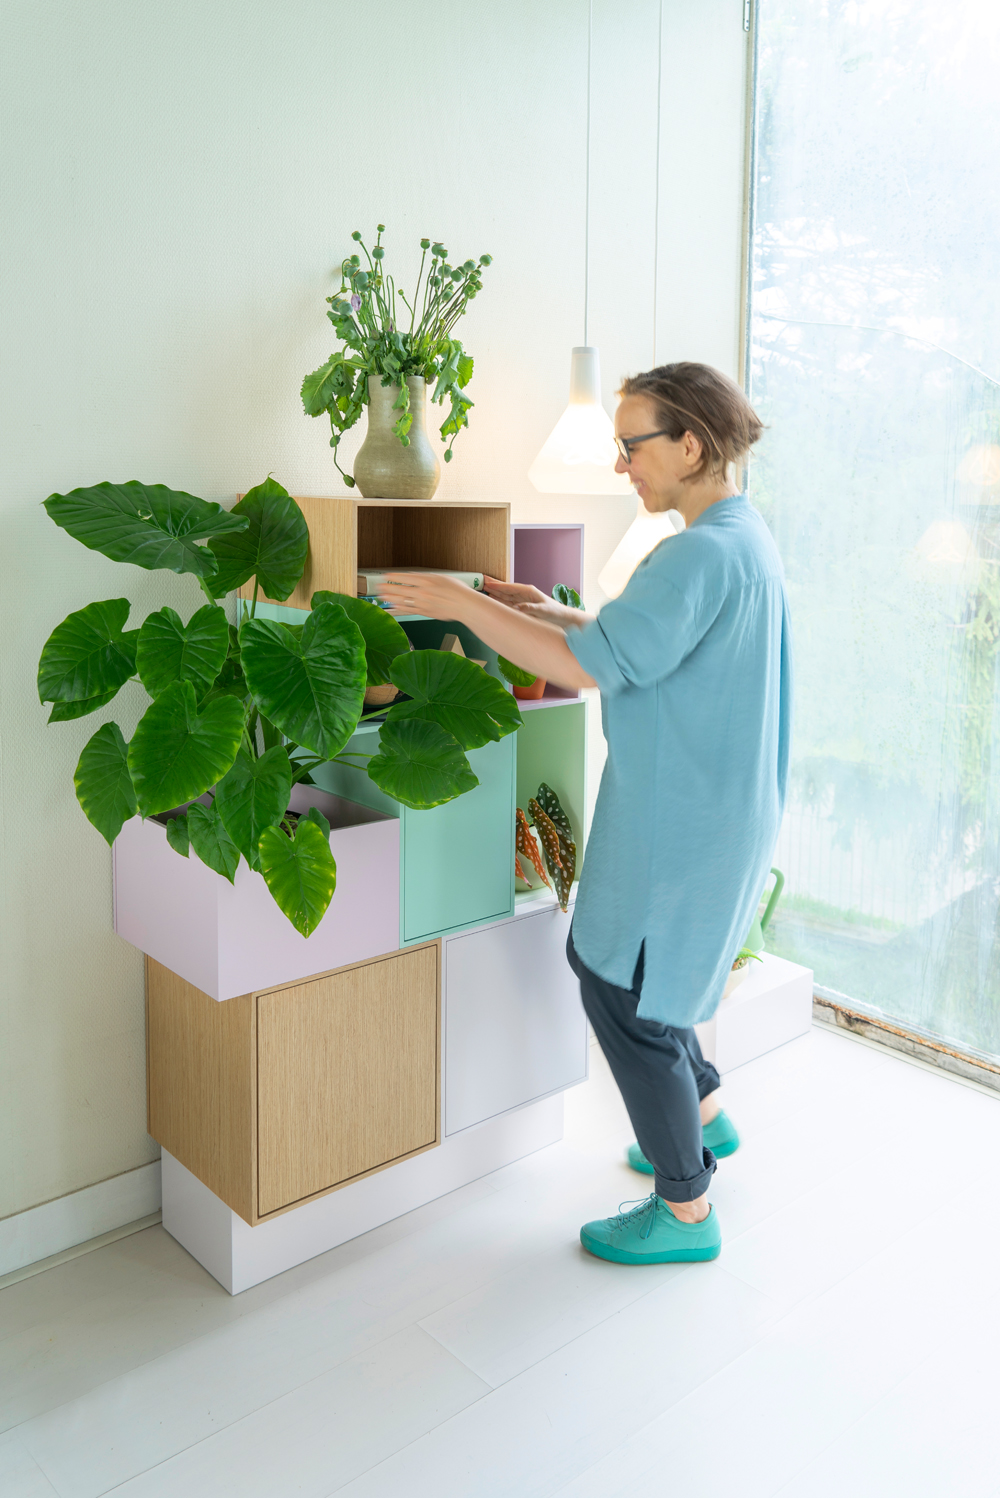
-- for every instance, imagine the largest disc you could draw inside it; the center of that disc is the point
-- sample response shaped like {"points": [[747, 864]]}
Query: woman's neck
{"points": [[698, 497]]}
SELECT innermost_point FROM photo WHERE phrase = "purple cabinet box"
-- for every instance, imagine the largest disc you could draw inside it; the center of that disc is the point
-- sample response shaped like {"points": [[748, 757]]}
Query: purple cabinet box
{"points": [[232, 939]]}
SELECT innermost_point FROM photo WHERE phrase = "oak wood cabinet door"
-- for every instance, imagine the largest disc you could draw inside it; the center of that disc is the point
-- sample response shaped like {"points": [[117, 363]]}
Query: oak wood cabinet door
{"points": [[347, 1075]]}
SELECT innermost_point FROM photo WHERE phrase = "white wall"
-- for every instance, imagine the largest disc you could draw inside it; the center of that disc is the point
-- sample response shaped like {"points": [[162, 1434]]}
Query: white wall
{"points": [[180, 181]]}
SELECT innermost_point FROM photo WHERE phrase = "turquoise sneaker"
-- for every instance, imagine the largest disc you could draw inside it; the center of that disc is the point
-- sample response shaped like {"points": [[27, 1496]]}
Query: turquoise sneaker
{"points": [[720, 1136], [651, 1234]]}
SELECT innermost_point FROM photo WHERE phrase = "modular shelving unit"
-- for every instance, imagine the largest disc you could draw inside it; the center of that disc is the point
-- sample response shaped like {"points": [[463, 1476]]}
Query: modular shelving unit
{"points": [[306, 1091]]}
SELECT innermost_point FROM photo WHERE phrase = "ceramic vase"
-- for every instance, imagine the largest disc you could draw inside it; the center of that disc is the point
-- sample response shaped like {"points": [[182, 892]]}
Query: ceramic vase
{"points": [[384, 468]]}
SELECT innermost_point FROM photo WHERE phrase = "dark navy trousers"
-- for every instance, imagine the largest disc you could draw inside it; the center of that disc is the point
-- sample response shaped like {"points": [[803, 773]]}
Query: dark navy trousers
{"points": [[661, 1075]]}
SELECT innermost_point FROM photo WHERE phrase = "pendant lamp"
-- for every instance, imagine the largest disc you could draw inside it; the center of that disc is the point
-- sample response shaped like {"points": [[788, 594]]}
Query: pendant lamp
{"points": [[580, 454], [647, 530]]}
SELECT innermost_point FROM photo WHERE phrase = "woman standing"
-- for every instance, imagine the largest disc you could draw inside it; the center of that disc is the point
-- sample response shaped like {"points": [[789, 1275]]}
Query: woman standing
{"points": [[693, 662]]}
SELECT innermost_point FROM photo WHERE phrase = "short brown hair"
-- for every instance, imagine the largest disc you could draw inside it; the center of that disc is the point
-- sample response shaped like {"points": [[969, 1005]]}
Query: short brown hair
{"points": [[698, 399]]}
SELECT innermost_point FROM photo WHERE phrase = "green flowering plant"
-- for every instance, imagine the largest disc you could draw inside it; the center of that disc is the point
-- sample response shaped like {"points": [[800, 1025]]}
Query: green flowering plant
{"points": [[377, 341]]}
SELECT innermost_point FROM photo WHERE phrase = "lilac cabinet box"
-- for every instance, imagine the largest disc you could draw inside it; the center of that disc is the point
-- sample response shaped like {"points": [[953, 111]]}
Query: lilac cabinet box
{"points": [[232, 939]]}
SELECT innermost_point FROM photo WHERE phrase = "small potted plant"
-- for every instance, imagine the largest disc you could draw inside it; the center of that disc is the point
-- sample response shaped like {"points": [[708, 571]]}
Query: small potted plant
{"points": [[240, 714], [393, 349]]}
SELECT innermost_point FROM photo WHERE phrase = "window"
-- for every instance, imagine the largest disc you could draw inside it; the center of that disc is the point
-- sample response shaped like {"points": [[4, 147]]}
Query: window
{"points": [[875, 361]]}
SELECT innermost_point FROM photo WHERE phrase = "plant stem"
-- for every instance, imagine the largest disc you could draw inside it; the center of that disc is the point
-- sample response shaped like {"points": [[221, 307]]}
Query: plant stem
{"points": [[416, 291]]}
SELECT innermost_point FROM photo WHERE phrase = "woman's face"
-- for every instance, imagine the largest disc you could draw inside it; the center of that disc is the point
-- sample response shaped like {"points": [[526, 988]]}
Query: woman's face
{"points": [[659, 467]]}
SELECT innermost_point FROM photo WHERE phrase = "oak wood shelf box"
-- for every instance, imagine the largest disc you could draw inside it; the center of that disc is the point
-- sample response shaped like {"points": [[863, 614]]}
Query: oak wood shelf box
{"points": [[345, 534], [275, 1098]]}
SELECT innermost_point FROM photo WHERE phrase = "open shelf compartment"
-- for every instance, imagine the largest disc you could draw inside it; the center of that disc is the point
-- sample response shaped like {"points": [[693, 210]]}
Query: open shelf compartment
{"points": [[544, 555], [347, 533], [551, 747]]}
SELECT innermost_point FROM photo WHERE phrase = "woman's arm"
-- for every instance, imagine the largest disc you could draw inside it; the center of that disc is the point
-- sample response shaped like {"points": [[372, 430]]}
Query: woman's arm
{"points": [[532, 644]]}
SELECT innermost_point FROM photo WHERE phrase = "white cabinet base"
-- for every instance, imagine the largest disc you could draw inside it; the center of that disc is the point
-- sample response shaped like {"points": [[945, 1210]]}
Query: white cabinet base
{"points": [[239, 1256], [514, 1027], [771, 1006]]}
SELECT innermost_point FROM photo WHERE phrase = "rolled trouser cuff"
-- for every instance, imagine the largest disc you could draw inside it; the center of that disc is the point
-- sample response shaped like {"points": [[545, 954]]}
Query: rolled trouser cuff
{"points": [[687, 1191]]}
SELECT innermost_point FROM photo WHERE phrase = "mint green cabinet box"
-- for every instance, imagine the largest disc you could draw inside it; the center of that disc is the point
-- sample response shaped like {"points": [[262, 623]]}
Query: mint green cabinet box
{"points": [[457, 860]]}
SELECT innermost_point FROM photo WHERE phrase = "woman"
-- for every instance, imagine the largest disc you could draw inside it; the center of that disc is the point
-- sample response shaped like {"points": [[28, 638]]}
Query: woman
{"points": [[693, 662]]}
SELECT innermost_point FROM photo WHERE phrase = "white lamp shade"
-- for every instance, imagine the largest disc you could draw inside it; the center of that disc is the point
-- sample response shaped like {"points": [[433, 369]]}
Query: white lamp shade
{"points": [[580, 454], [646, 531]]}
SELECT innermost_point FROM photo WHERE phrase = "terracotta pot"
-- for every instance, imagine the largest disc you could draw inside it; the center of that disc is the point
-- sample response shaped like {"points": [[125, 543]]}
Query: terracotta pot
{"points": [[532, 693], [384, 468], [380, 696]]}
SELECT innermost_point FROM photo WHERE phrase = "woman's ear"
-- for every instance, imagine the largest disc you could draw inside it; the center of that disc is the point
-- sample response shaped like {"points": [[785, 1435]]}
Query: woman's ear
{"points": [[691, 450]]}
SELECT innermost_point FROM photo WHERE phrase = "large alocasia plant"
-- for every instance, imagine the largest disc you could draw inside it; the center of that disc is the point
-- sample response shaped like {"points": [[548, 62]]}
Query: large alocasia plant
{"points": [[245, 711]]}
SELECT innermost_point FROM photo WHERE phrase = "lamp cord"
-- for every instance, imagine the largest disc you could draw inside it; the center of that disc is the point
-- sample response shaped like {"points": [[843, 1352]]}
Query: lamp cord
{"points": [[656, 190], [586, 211], [656, 200]]}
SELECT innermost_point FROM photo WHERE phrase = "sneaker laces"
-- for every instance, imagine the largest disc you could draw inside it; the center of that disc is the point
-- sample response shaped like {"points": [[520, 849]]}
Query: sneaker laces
{"points": [[639, 1208]]}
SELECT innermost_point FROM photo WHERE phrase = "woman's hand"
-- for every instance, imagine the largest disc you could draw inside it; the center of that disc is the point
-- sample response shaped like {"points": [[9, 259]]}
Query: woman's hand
{"points": [[533, 602], [427, 593], [514, 595]]}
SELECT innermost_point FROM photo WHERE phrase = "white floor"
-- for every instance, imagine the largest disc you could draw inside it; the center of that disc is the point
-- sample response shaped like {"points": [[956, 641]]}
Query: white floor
{"points": [[847, 1341]]}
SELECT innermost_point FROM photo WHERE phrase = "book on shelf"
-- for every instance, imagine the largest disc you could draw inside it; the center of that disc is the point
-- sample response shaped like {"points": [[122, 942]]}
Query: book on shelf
{"points": [[380, 603], [370, 579]]}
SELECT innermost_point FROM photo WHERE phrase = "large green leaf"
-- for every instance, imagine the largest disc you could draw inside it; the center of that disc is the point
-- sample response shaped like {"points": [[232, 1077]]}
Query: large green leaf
{"points": [[310, 685], [300, 872], [170, 650], [177, 753], [384, 637], [211, 841], [103, 785], [420, 764], [177, 834], [64, 712], [253, 796], [272, 548], [148, 525], [457, 694], [88, 654]]}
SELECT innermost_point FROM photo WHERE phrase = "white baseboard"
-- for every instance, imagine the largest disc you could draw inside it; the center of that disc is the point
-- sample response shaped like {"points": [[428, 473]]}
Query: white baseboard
{"points": [[57, 1225]]}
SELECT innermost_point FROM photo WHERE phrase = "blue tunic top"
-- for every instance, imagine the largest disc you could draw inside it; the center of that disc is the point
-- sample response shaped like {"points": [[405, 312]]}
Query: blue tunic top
{"points": [[694, 665]]}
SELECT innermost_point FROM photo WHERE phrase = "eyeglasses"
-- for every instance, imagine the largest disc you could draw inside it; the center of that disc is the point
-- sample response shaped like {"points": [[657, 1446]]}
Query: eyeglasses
{"points": [[626, 444]]}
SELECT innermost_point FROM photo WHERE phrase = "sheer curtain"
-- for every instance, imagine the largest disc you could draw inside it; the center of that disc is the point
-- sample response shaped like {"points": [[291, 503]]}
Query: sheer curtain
{"points": [[875, 361]]}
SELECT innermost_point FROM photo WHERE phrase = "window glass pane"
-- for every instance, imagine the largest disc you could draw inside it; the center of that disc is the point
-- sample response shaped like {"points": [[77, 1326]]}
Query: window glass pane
{"points": [[875, 337]]}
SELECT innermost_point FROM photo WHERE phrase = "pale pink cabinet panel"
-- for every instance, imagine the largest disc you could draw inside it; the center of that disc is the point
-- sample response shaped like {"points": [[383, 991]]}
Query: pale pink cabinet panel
{"points": [[232, 939]]}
